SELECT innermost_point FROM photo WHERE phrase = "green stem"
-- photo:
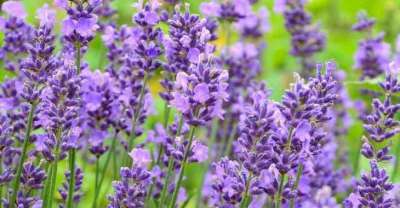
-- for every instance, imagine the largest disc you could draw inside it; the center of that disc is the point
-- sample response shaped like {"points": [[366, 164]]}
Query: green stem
{"points": [[54, 172], [136, 114], [71, 188], [45, 192], [396, 163], [296, 182], [228, 147], [170, 167], [245, 201], [103, 172], [357, 160], [22, 157], [96, 184], [209, 159], [279, 194], [167, 177], [182, 169]]}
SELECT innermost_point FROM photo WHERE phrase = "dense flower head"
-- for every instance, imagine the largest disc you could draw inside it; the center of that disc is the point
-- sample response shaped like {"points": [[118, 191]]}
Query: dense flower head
{"points": [[32, 177], [254, 25], [77, 192], [16, 34], [372, 56], [199, 94], [228, 183], [105, 12], [81, 22], [148, 38], [59, 112], [100, 97], [131, 190], [231, 10], [189, 36], [243, 64], [381, 124], [306, 38], [372, 190], [364, 23], [135, 100], [255, 128]]}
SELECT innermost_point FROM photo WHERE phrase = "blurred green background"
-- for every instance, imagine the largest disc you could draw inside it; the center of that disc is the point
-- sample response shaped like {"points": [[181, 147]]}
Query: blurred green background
{"points": [[335, 18]]}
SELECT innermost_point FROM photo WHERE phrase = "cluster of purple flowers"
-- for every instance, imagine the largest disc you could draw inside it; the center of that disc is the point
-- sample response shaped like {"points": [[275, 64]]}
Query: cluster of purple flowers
{"points": [[307, 39], [249, 150], [373, 54]]}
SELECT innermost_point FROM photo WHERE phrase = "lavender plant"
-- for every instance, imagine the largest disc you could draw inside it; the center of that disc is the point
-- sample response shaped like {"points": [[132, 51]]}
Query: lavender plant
{"points": [[175, 114]]}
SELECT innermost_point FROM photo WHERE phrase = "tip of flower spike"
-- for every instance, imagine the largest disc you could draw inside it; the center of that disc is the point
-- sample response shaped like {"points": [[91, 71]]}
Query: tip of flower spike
{"points": [[14, 9], [364, 23], [393, 68], [330, 67], [46, 16]]}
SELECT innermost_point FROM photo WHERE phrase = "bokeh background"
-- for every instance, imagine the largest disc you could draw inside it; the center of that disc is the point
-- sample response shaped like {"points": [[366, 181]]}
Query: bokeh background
{"points": [[335, 18]]}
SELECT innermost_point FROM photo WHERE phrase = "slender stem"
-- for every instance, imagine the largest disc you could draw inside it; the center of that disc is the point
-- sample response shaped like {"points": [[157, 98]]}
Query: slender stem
{"points": [[54, 171], [167, 111], [22, 157], [279, 194], [245, 200], [357, 160], [167, 177], [103, 172], [182, 169], [296, 182], [170, 167], [45, 192], [396, 163], [208, 161], [96, 184], [136, 114], [228, 147], [71, 188]]}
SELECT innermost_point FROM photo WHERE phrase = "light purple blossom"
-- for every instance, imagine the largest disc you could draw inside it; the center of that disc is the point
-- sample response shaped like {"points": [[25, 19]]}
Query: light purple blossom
{"points": [[140, 157], [14, 9]]}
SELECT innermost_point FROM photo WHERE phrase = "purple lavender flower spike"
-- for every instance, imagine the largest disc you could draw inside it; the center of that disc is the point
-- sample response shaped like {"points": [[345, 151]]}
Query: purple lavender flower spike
{"points": [[188, 38], [59, 117], [231, 10], [364, 23], [131, 190], [32, 178], [77, 194], [17, 33], [228, 184], [78, 28], [380, 125], [372, 190], [199, 94], [307, 39], [254, 25], [255, 128], [100, 97], [373, 54]]}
